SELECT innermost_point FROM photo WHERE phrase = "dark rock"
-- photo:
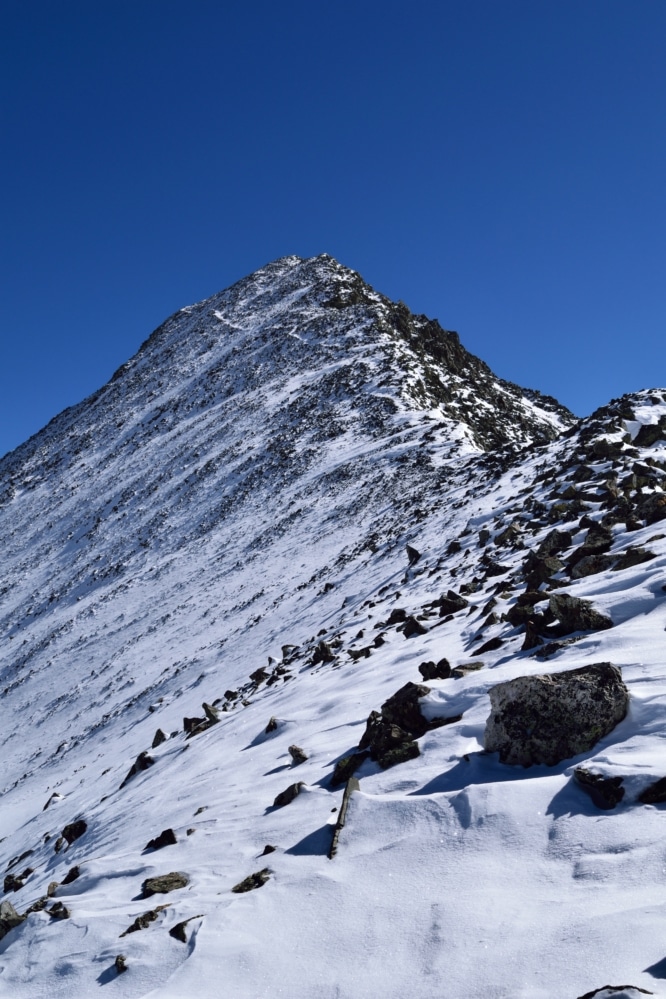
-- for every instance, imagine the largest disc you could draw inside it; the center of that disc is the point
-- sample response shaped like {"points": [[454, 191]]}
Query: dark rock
{"points": [[389, 736], [297, 755], [616, 992], [490, 646], [74, 830], [554, 542], [268, 849], [12, 883], [287, 796], [552, 717], [650, 433], [59, 911], [653, 508], [413, 555], [272, 725], [484, 536], [347, 767], [142, 762], [356, 654], [532, 636], [164, 883], [253, 881], [413, 627], [494, 568], [403, 709], [143, 921], [575, 614], [408, 750], [589, 565], [435, 671], [519, 614], [632, 557], [450, 604], [655, 794], [166, 838], [72, 875], [178, 932], [158, 739], [120, 963], [539, 570], [606, 792], [397, 616], [453, 548], [323, 653]]}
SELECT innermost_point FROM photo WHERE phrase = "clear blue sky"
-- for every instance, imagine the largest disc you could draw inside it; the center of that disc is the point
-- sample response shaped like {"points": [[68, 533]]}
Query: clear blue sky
{"points": [[498, 164]]}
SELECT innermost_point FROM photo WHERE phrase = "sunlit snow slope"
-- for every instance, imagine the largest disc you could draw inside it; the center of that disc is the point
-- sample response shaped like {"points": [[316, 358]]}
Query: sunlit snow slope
{"points": [[226, 522]]}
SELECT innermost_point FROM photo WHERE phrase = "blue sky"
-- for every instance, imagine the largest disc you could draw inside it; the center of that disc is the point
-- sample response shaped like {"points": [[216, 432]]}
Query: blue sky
{"points": [[498, 164]]}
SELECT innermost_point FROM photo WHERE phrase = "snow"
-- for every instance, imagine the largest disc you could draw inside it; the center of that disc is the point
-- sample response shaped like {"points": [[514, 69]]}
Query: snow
{"points": [[248, 480]]}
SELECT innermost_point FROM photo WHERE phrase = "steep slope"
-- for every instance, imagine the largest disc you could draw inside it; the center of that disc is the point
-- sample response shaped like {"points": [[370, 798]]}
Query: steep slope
{"points": [[226, 522]]}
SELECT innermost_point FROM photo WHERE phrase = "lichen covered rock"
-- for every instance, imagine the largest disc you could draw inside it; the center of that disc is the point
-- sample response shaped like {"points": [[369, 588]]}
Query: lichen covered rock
{"points": [[552, 717]]}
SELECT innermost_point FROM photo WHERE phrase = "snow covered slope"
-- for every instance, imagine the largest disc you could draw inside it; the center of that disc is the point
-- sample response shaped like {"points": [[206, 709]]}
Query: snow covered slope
{"points": [[226, 522]]}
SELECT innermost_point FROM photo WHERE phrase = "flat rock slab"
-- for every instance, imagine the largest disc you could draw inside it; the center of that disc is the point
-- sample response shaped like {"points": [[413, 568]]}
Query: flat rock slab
{"points": [[551, 717]]}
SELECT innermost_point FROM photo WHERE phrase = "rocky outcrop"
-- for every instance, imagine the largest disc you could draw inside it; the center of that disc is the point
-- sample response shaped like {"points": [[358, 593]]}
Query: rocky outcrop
{"points": [[552, 717], [390, 734]]}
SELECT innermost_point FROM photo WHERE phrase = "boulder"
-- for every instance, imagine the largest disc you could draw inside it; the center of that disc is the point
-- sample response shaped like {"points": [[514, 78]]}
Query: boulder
{"points": [[552, 717], [73, 830], [606, 792], [413, 627], [390, 734], [633, 556], [164, 883], [297, 755], [143, 761], [158, 739], [655, 794], [347, 766], [166, 838], [435, 671], [450, 604], [589, 565], [413, 554], [575, 614], [253, 881], [9, 918], [554, 542], [403, 709], [653, 508], [287, 796]]}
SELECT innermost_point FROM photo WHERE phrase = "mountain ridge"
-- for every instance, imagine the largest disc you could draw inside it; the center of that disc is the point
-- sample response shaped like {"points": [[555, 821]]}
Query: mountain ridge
{"points": [[240, 539]]}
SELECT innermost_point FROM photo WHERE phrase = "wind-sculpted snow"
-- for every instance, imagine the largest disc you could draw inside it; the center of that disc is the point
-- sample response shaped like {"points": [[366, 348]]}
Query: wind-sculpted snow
{"points": [[226, 522]]}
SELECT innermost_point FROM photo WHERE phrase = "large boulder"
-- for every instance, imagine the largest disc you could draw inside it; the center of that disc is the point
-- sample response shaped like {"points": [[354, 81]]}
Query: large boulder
{"points": [[551, 717], [9, 918], [575, 614]]}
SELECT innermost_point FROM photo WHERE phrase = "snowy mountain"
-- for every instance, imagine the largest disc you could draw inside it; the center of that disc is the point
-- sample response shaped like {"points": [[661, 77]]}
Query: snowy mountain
{"points": [[297, 498]]}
